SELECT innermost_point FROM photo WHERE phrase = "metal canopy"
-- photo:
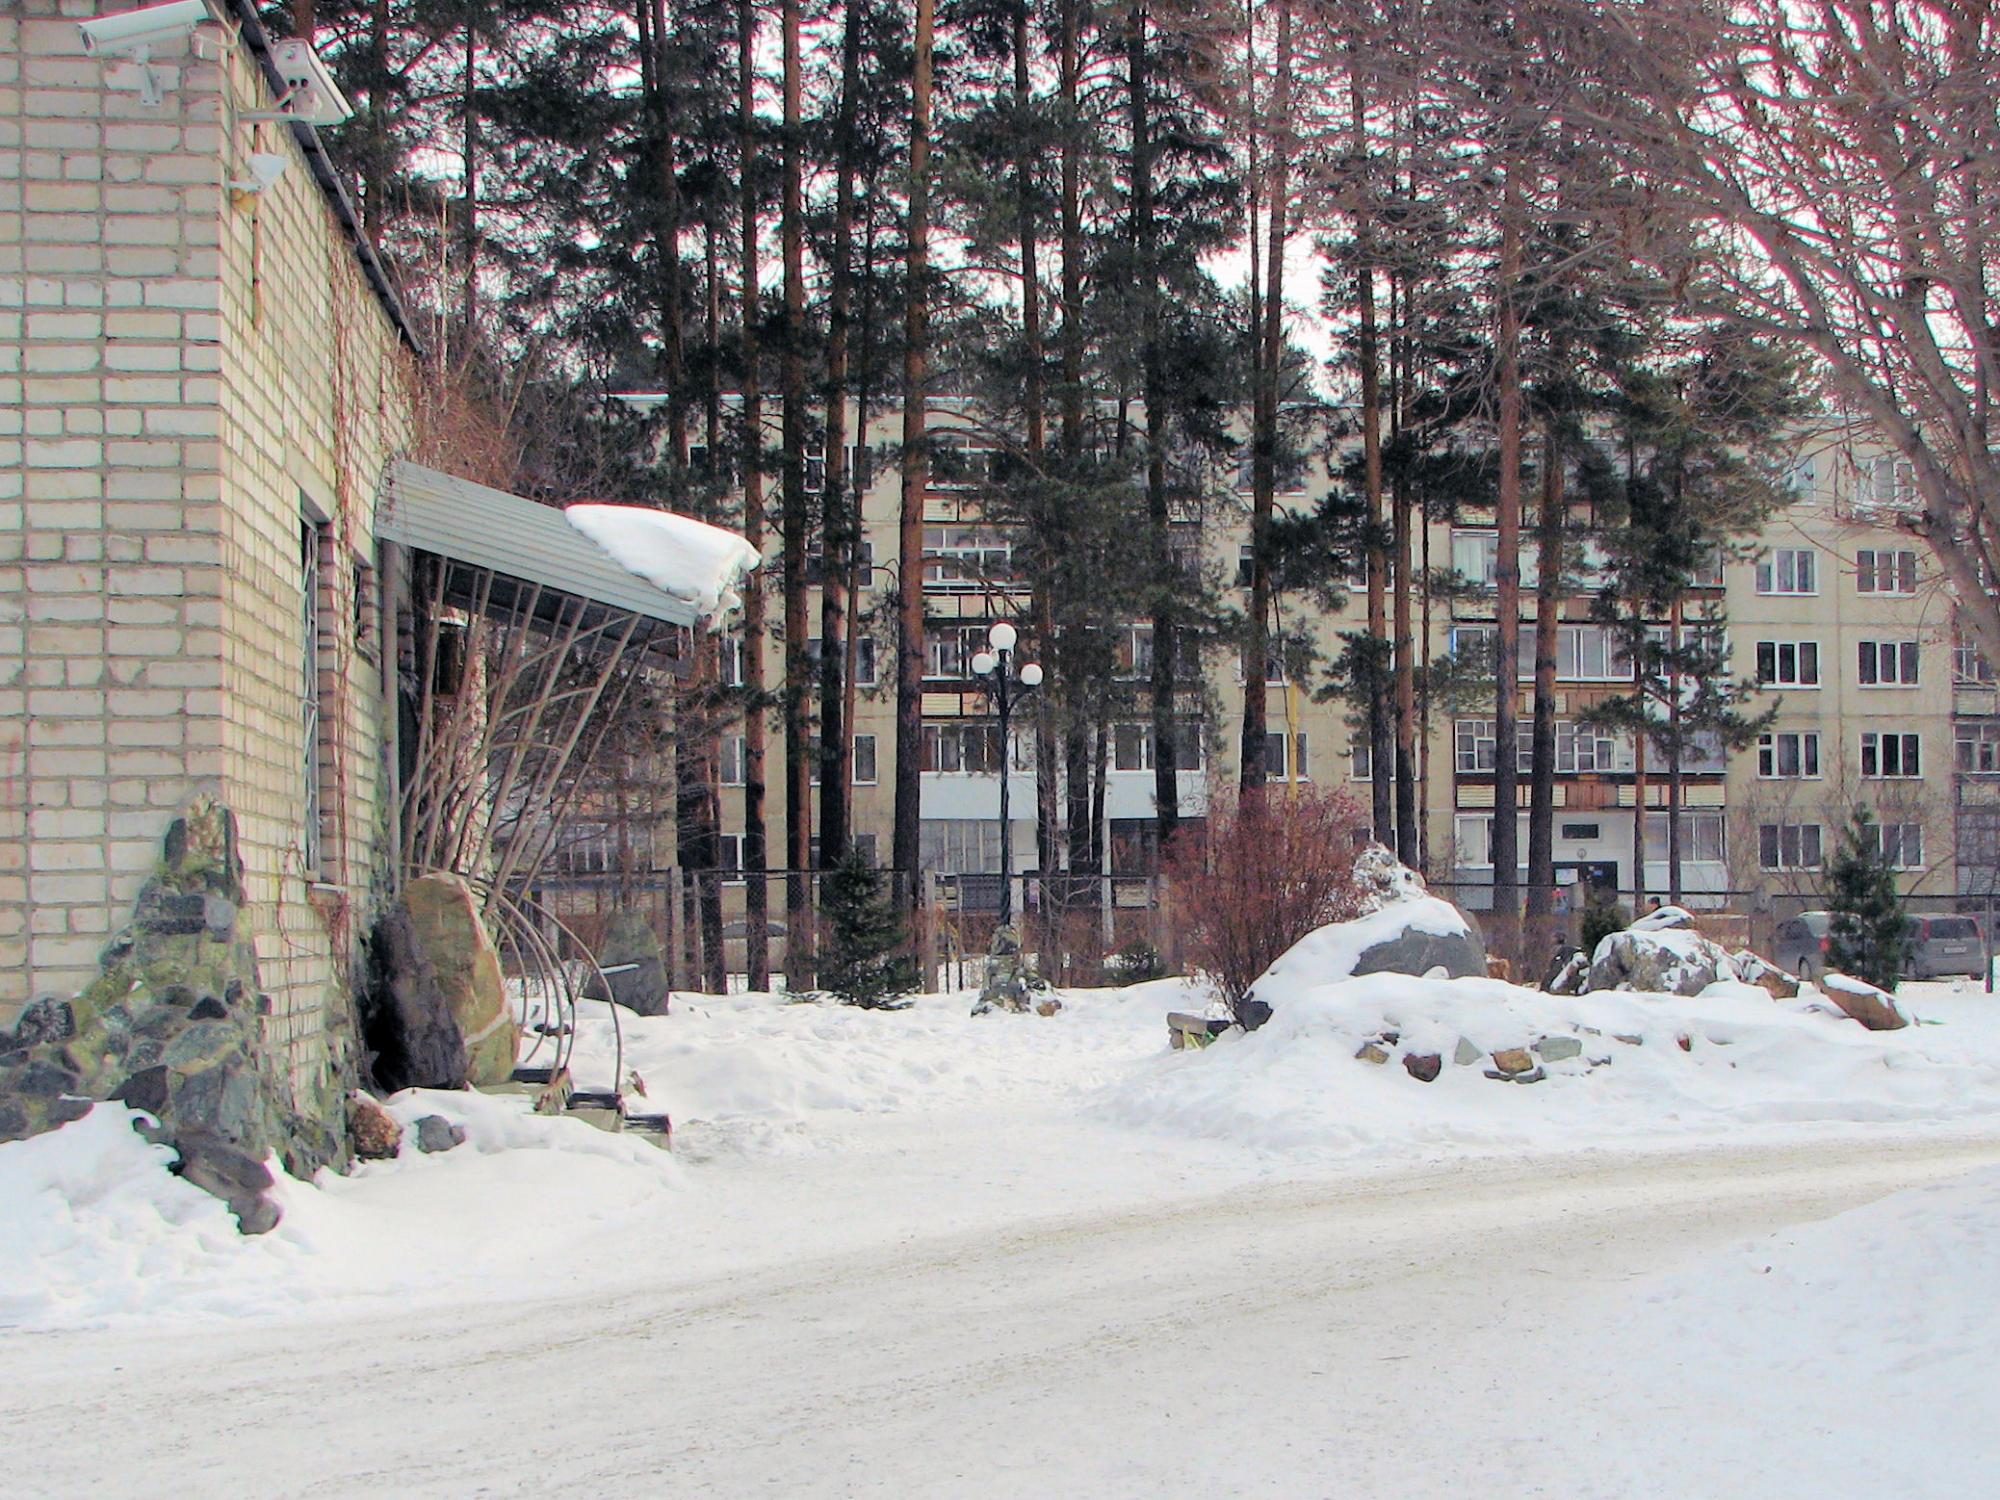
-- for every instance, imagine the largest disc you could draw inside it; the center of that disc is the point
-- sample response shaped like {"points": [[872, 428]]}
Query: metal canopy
{"points": [[487, 528]]}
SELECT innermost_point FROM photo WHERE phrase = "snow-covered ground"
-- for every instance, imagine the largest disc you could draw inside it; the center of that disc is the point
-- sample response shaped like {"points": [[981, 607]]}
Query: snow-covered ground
{"points": [[914, 1252]]}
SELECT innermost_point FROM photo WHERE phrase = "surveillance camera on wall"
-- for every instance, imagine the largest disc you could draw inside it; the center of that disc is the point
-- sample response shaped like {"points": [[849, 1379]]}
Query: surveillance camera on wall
{"points": [[266, 167], [311, 95], [134, 33]]}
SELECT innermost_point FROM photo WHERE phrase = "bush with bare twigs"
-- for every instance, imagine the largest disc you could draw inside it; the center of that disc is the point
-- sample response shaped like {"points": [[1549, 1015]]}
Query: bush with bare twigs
{"points": [[1264, 869]]}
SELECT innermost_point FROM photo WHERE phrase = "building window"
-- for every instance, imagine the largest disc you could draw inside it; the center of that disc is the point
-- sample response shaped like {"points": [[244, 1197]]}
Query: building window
{"points": [[864, 661], [1701, 836], [1885, 756], [1788, 570], [1969, 666], [1582, 750], [1134, 647], [1473, 833], [1360, 759], [1879, 571], [1788, 846], [1279, 764], [949, 649], [971, 747], [733, 760], [731, 661], [315, 541], [1473, 742], [1888, 664], [864, 760], [1788, 663], [1707, 570], [1788, 755], [1901, 844], [959, 846], [1132, 747], [1475, 556], [1978, 747], [1890, 481], [959, 558]]}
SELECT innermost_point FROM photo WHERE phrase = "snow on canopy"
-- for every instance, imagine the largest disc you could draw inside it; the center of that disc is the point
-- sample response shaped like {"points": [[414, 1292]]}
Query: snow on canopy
{"points": [[687, 558]]}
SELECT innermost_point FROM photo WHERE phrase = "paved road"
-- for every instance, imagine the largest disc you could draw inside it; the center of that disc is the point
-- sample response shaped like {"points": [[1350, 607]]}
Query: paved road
{"points": [[1394, 1336]]}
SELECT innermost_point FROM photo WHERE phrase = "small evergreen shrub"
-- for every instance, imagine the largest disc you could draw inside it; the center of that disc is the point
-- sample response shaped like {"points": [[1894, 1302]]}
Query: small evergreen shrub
{"points": [[866, 960], [1602, 916], [1870, 937]]}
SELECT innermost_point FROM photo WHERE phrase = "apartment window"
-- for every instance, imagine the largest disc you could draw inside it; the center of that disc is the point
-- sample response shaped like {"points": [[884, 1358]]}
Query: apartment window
{"points": [[1473, 833], [1978, 747], [1888, 664], [1134, 645], [1788, 570], [1707, 570], [1473, 641], [1701, 836], [1590, 653], [1473, 744], [948, 650], [730, 650], [1360, 760], [733, 760], [1132, 747], [1902, 845], [729, 856], [864, 661], [1890, 481], [966, 557], [1788, 846], [1279, 763], [1788, 755], [959, 460], [1882, 571], [1474, 556], [959, 846], [864, 760], [315, 541], [1788, 663], [1887, 756], [1969, 666], [1582, 749], [971, 747]]}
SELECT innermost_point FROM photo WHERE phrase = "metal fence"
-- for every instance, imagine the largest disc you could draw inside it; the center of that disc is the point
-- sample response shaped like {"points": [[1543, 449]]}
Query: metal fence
{"points": [[1082, 929]]}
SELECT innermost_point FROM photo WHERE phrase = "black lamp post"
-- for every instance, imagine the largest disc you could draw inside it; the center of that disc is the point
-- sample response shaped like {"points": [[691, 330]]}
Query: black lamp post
{"points": [[994, 667]]}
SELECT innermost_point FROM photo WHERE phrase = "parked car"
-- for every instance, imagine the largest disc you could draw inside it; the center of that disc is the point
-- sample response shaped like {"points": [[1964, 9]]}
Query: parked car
{"points": [[1943, 945]]}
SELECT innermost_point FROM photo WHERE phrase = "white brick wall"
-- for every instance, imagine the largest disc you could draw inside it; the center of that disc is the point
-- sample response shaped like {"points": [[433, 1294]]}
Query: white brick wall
{"points": [[177, 368]]}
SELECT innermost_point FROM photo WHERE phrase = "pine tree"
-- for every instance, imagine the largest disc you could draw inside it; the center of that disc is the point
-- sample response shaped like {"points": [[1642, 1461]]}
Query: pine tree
{"points": [[1870, 938], [866, 959]]}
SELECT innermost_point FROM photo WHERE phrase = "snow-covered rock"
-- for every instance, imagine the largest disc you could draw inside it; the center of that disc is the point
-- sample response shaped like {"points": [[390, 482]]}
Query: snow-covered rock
{"points": [[1404, 930], [1861, 1001], [1663, 919], [1661, 959]]}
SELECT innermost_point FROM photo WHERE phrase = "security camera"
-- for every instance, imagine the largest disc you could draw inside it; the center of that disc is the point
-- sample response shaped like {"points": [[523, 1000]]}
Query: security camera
{"points": [[266, 167], [134, 33]]}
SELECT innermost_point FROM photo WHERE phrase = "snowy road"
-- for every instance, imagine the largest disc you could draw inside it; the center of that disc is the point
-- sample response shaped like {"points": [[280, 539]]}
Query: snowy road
{"points": [[1434, 1333]]}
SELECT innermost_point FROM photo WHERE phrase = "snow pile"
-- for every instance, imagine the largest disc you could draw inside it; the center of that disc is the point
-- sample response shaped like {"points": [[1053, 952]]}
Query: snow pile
{"points": [[1295, 1085], [1331, 952], [687, 558], [98, 1229], [1859, 1350]]}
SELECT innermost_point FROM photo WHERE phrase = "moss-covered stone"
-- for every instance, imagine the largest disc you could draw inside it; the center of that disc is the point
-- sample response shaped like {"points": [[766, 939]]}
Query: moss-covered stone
{"points": [[452, 941], [171, 1027]]}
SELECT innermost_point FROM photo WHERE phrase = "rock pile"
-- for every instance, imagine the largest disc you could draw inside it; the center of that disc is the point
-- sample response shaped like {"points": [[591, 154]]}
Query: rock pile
{"points": [[173, 1027]]}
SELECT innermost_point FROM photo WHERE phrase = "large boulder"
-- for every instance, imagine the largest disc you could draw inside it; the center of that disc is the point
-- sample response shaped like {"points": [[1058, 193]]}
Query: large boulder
{"points": [[634, 968], [1404, 931], [452, 951], [1876, 1009], [1660, 959]]}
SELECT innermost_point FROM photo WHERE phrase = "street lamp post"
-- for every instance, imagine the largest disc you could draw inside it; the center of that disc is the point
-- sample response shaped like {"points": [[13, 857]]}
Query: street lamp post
{"points": [[994, 667]]}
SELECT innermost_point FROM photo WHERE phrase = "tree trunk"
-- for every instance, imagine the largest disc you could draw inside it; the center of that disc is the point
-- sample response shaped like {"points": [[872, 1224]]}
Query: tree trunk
{"points": [[840, 534], [1507, 565], [796, 520], [756, 850], [1381, 735], [1254, 736], [1542, 767], [1674, 764], [1166, 778], [916, 465]]}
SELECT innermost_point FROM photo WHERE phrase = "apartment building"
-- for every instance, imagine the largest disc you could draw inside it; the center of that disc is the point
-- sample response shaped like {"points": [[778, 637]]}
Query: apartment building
{"points": [[1834, 613]]}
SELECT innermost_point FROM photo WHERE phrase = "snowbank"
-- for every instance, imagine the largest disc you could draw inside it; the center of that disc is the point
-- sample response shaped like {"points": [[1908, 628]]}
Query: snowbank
{"points": [[98, 1229], [687, 558], [1295, 1087]]}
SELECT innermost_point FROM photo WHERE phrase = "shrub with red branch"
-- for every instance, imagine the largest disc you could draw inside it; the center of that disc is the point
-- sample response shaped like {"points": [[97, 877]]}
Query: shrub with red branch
{"points": [[1263, 870]]}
